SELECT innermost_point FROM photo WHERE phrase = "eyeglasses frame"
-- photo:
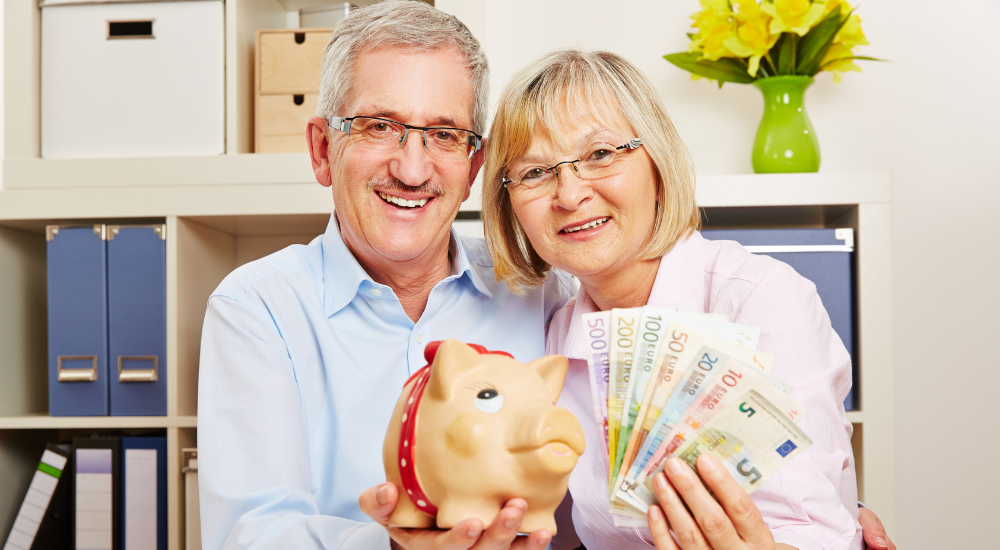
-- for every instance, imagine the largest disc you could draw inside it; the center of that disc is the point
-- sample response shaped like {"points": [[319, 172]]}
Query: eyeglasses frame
{"points": [[632, 144], [344, 125]]}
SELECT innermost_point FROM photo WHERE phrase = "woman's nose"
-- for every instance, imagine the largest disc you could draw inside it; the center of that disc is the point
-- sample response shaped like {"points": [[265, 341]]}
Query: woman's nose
{"points": [[571, 190]]}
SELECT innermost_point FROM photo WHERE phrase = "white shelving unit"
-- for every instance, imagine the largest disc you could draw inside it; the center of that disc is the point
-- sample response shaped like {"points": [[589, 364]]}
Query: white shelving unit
{"points": [[223, 211]]}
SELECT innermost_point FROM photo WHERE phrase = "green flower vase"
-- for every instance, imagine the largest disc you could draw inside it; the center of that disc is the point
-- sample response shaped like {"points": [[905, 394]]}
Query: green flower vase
{"points": [[785, 140]]}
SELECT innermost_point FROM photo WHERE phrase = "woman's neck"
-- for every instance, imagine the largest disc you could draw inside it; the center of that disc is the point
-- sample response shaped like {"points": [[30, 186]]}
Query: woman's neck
{"points": [[629, 287]]}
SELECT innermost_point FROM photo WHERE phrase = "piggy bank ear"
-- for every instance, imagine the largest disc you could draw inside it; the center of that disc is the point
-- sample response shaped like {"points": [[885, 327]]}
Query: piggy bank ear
{"points": [[451, 360], [552, 369]]}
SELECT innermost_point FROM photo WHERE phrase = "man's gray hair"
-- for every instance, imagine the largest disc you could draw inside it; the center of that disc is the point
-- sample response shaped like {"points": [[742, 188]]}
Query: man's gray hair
{"points": [[408, 24]]}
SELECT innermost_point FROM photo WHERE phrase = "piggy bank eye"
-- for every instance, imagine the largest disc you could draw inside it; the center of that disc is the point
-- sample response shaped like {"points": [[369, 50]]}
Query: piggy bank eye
{"points": [[489, 401]]}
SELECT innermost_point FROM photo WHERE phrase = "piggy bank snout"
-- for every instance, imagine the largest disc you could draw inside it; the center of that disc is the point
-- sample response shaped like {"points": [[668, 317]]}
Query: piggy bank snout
{"points": [[553, 426]]}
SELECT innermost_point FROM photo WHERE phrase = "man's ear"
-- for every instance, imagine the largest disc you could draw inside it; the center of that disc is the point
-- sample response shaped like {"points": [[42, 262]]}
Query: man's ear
{"points": [[478, 158], [552, 369], [319, 150], [451, 360]]}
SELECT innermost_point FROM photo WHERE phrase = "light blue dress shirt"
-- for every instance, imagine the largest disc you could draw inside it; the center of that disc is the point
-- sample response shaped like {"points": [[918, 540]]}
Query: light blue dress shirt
{"points": [[303, 357]]}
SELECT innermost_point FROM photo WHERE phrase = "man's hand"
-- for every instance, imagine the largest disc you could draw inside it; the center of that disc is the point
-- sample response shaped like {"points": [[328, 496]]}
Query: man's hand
{"points": [[379, 501], [698, 521], [873, 531]]}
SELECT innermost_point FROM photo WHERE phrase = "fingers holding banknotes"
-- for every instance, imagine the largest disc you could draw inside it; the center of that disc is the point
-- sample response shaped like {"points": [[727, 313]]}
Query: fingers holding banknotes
{"points": [[378, 503], [700, 521]]}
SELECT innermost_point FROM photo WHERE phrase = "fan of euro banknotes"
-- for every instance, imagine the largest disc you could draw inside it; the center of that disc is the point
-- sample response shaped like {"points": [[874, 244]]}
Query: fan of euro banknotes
{"points": [[667, 382]]}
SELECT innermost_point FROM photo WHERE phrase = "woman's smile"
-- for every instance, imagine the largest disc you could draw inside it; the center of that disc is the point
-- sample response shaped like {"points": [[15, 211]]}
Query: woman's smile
{"points": [[585, 228]]}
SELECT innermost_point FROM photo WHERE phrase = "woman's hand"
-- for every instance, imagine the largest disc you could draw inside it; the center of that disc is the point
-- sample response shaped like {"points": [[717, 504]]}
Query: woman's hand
{"points": [[732, 523], [379, 501], [873, 531]]}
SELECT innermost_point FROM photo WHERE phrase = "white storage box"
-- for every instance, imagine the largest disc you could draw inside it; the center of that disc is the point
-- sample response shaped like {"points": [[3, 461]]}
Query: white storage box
{"points": [[325, 16], [132, 79]]}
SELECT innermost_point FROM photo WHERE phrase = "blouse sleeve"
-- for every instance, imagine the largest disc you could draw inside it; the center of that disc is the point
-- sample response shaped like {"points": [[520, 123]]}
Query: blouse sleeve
{"points": [[805, 503]]}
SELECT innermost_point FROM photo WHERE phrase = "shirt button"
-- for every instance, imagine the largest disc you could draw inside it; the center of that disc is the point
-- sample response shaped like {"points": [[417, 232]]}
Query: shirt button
{"points": [[376, 292], [420, 338]]}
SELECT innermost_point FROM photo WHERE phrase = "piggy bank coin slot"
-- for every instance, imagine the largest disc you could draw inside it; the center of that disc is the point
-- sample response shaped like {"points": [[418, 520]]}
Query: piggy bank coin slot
{"points": [[489, 401]]}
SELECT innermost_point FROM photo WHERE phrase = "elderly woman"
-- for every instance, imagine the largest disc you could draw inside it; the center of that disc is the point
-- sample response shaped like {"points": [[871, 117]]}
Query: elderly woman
{"points": [[586, 173]]}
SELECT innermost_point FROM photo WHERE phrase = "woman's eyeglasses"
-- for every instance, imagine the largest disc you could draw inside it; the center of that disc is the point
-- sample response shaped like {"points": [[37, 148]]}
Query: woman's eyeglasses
{"points": [[382, 134], [600, 160]]}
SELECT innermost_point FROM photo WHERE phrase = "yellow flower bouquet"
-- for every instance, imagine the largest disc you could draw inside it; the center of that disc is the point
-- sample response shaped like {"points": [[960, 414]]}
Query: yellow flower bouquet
{"points": [[742, 41], [778, 46]]}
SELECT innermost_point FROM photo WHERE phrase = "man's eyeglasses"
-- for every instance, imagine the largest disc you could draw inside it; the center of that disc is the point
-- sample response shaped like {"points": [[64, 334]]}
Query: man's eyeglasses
{"points": [[599, 160], [382, 134]]}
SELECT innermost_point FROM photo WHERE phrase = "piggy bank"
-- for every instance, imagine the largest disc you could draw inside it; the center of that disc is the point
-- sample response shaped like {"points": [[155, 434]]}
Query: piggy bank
{"points": [[474, 429]]}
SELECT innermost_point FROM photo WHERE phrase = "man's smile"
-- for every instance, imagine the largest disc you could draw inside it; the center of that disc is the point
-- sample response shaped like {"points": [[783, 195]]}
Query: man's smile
{"points": [[401, 202]]}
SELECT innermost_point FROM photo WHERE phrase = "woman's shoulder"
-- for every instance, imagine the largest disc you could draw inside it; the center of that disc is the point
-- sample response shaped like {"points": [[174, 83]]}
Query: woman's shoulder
{"points": [[732, 274]]}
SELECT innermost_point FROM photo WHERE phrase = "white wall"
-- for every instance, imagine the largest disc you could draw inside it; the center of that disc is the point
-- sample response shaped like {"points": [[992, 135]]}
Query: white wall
{"points": [[932, 118]]}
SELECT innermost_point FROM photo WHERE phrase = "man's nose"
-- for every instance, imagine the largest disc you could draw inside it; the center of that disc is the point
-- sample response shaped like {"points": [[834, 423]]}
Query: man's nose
{"points": [[411, 164], [571, 190]]}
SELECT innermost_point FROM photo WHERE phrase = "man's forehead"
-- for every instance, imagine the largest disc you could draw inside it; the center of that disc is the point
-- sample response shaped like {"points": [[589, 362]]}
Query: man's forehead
{"points": [[421, 87]]}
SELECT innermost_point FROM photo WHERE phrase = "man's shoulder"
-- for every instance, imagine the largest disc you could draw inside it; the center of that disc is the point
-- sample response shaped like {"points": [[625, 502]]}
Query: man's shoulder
{"points": [[290, 266], [557, 282]]}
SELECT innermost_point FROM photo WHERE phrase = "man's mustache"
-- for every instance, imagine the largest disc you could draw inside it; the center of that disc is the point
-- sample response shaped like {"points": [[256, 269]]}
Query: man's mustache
{"points": [[386, 184]]}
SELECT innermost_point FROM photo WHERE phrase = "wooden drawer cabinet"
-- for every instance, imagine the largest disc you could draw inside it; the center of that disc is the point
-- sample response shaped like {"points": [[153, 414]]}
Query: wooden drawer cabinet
{"points": [[282, 122], [287, 86]]}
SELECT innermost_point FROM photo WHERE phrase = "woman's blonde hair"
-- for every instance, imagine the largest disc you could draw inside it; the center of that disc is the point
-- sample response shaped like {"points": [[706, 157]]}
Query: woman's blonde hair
{"points": [[573, 81]]}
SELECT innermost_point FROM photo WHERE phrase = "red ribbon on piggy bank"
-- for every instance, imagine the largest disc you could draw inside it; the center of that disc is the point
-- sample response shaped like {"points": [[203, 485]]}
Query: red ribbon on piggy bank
{"points": [[489, 431]]}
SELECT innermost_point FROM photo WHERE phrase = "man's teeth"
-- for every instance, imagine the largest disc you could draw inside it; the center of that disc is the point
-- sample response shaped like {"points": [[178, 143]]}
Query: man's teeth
{"points": [[587, 225], [402, 202]]}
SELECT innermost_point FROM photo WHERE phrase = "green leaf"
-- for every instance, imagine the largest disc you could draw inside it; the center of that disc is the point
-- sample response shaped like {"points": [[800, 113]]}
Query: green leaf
{"points": [[814, 45], [723, 70], [786, 64], [862, 57]]}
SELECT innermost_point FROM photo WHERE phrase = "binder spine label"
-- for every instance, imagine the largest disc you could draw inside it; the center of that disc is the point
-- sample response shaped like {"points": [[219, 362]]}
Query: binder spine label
{"points": [[29, 517]]}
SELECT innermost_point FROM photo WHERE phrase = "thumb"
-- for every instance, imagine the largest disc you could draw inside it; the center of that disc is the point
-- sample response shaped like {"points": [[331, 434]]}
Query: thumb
{"points": [[379, 501]]}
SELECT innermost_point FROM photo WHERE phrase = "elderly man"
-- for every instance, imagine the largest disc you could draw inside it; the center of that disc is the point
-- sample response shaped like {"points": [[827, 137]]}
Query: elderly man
{"points": [[304, 352]]}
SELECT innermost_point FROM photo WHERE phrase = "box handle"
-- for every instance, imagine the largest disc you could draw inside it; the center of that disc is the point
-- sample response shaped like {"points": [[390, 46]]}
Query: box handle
{"points": [[300, 37], [298, 99], [76, 375], [138, 375], [130, 29]]}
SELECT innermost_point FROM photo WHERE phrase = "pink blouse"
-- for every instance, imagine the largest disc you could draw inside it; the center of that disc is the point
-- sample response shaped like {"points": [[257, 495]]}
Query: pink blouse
{"points": [[811, 503]]}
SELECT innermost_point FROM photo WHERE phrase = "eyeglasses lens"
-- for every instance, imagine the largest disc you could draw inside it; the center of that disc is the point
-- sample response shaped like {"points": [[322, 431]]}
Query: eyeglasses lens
{"points": [[384, 135], [598, 161]]}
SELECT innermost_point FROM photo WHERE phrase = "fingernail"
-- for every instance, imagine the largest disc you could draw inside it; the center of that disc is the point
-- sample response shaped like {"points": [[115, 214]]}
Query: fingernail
{"points": [[511, 522], [660, 481], [544, 540], [473, 532], [382, 495], [881, 542], [674, 465], [518, 503], [707, 463]]}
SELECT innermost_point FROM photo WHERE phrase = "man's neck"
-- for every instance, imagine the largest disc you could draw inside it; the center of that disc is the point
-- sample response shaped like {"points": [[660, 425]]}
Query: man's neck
{"points": [[628, 287], [411, 280]]}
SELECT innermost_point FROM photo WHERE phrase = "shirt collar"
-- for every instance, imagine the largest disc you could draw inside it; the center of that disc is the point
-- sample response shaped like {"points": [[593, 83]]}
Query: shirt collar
{"points": [[680, 278], [461, 264], [343, 275], [681, 275]]}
